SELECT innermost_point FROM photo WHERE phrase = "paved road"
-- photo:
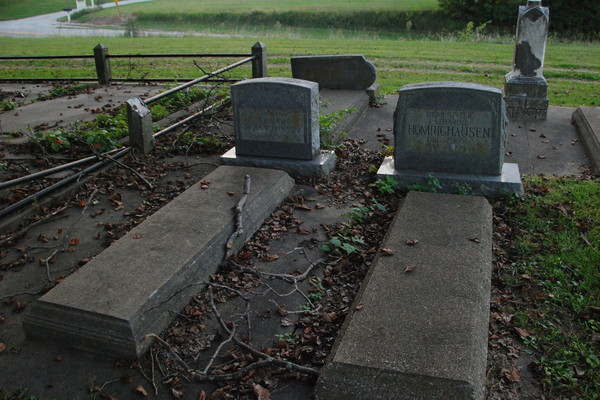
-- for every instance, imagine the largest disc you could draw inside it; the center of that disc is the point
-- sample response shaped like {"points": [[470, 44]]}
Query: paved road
{"points": [[47, 25]]}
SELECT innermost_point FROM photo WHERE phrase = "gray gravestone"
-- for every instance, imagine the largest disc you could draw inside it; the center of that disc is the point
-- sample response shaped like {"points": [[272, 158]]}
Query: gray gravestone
{"points": [[455, 132], [351, 72], [276, 124], [526, 89], [276, 117]]}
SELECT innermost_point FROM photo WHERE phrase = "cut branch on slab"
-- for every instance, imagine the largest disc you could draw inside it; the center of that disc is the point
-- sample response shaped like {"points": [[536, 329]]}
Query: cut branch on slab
{"points": [[239, 209]]}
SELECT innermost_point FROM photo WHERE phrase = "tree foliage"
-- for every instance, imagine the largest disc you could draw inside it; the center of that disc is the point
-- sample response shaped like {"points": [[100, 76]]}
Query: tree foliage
{"points": [[566, 16]]}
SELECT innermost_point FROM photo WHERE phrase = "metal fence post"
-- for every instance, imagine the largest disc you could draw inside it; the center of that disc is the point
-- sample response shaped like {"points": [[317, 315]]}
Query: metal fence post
{"points": [[102, 64], [259, 64], [139, 120]]}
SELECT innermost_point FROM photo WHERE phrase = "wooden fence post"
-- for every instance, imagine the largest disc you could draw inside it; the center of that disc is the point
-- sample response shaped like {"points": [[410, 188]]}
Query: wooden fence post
{"points": [[259, 64], [102, 64]]}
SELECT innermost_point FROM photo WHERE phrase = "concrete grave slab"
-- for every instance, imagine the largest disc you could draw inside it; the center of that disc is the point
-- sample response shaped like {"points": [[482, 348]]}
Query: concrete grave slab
{"points": [[353, 71], [420, 334], [587, 121], [126, 292]]}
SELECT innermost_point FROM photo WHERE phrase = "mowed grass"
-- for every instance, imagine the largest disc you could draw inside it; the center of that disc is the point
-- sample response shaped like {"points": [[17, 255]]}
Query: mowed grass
{"points": [[246, 6], [16, 9], [572, 70]]}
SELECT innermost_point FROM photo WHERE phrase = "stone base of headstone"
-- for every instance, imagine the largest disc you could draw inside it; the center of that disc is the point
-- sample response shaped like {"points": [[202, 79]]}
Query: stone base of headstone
{"points": [[373, 92], [526, 98], [487, 185], [318, 167]]}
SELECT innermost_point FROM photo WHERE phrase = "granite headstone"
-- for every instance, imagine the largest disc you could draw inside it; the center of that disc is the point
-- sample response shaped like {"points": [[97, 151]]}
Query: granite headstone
{"points": [[349, 72], [454, 131], [276, 117], [526, 89]]}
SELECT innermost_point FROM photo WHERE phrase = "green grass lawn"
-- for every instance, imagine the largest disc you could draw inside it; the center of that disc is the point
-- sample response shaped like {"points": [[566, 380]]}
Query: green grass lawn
{"points": [[572, 70], [558, 280], [15, 9], [241, 6]]}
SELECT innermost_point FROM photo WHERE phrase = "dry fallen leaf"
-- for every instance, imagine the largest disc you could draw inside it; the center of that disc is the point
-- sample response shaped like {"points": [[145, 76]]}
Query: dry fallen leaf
{"points": [[261, 393], [302, 207], [271, 257], [140, 389], [410, 268], [318, 206], [412, 242], [524, 332], [387, 252], [541, 157], [137, 236], [2, 347], [74, 241], [476, 240], [512, 375], [360, 307]]}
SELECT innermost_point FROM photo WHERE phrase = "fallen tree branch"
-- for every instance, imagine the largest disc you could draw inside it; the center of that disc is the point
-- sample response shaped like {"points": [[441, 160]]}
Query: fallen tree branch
{"points": [[267, 358], [239, 208]]}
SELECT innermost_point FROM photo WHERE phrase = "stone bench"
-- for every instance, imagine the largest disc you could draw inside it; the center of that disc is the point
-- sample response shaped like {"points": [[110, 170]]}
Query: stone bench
{"points": [[420, 334], [126, 292]]}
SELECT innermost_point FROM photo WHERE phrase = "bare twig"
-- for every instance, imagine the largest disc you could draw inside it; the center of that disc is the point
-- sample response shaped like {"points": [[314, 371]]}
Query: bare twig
{"points": [[176, 357], [9, 296], [70, 230], [47, 263], [217, 351], [295, 278], [268, 359], [239, 208], [127, 167], [28, 227]]}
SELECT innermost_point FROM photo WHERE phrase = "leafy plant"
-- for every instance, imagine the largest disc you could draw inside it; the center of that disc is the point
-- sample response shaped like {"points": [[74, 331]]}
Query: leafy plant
{"points": [[432, 186], [131, 29], [286, 337], [463, 189], [7, 105], [343, 244], [385, 186], [327, 123]]}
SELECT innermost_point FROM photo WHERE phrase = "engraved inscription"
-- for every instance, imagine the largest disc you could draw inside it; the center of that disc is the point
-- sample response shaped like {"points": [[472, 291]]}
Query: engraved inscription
{"points": [[272, 125], [447, 131]]}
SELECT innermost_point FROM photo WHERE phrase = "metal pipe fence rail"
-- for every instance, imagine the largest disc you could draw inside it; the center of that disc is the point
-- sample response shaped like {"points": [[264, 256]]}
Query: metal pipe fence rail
{"points": [[102, 59], [139, 117]]}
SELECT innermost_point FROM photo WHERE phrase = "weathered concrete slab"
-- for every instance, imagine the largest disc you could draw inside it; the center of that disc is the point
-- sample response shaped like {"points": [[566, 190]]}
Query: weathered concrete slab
{"points": [[126, 292], [352, 71], [587, 122], [420, 334]]}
